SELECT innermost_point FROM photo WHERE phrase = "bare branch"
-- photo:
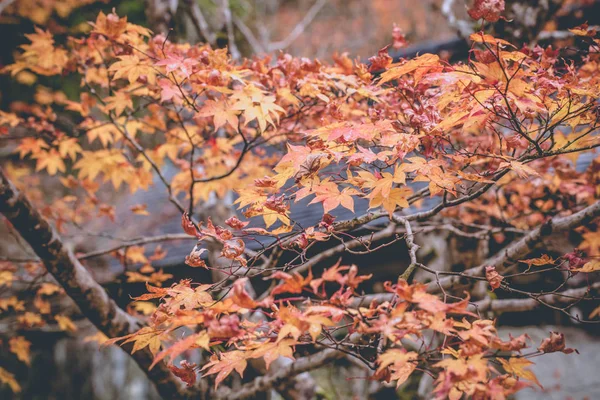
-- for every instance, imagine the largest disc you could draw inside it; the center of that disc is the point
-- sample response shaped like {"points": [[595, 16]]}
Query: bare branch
{"points": [[4, 4], [199, 22], [521, 305], [508, 305], [299, 28], [235, 53], [412, 247], [257, 47], [138, 242], [519, 249]]}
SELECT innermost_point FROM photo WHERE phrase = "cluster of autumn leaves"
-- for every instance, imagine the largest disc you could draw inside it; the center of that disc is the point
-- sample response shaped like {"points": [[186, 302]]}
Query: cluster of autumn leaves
{"points": [[277, 131], [473, 351]]}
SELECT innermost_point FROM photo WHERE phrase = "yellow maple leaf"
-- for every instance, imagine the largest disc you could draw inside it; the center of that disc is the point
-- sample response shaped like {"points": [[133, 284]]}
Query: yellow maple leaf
{"points": [[9, 379], [69, 148], [271, 351], [20, 347], [424, 61], [65, 323], [146, 337], [590, 266], [98, 337], [131, 67], [6, 278], [255, 105], [119, 102], [50, 160], [400, 362], [135, 254], [518, 367], [396, 197]]}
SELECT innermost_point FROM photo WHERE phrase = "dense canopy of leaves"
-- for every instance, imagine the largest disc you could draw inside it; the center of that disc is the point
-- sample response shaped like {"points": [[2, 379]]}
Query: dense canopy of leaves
{"points": [[488, 148]]}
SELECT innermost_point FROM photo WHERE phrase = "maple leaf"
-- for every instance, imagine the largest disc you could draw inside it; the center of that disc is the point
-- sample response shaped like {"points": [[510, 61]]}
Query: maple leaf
{"points": [[521, 169], [589, 267], [69, 148], [381, 61], [225, 363], [382, 185], [48, 289], [518, 367], [332, 274], [235, 223], [480, 37], [591, 242], [135, 254], [256, 106], [110, 25], [424, 62], [514, 344], [329, 194], [556, 342], [493, 277], [65, 323], [189, 226], [6, 278], [183, 66], [9, 379], [145, 337], [243, 299], [132, 68], [400, 362], [11, 302], [41, 56], [51, 160], [545, 259], [30, 319], [271, 351], [397, 197], [192, 341], [21, 348], [583, 30], [398, 37], [221, 112], [195, 259], [140, 209], [31, 145], [9, 119], [185, 297], [170, 91], [292, 283], [105, 133], [155, 293], [186, 373], [489, 10], [119, 102]]}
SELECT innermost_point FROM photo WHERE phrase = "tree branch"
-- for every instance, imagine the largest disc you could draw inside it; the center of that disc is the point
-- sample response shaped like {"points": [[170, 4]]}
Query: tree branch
{"points": [[519, 249], [199, 22], [233, 50], [506, 305], [299, 28], [279, 377], [521, 305], [90, 297]]}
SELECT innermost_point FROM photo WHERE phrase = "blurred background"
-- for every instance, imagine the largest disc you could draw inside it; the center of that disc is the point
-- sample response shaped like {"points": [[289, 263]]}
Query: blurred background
{"points": [[323, 29]]}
